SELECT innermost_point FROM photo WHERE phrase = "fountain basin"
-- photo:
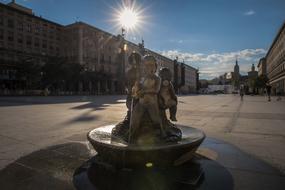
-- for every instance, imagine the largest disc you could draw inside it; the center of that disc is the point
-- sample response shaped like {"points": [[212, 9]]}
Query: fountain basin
{"points": [[121, 154]]}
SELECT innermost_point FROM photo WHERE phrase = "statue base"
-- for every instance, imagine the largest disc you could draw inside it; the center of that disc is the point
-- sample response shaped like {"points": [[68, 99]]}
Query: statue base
{"points": [[120, 154]]}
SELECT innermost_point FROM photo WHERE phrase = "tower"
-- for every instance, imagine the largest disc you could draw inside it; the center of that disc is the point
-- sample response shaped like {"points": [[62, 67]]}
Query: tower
{"points": [[236, 68], [252, 67], [236, 77]]}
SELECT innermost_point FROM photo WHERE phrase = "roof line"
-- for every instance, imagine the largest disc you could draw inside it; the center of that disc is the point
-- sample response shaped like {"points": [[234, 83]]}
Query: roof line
{"points": [[275, 39]]}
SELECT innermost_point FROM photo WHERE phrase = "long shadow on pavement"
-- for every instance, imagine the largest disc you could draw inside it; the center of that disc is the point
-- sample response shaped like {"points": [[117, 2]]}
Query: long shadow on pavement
{"points": [[37, 100]]}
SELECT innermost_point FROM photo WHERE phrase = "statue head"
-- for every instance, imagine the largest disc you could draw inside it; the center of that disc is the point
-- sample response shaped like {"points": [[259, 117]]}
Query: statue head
{"points": [[165, 74], [150, 64]]}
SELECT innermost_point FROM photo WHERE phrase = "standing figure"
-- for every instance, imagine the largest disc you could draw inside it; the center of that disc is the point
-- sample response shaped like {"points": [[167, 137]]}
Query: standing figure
{"points": [[268, 91], [241, 92], [133, 75], [146, 92], [167, 96], [278, 92]]}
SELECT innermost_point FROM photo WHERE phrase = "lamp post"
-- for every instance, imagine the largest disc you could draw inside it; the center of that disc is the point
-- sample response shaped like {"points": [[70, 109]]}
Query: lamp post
{"points": [[128, 17], [123, 49]]}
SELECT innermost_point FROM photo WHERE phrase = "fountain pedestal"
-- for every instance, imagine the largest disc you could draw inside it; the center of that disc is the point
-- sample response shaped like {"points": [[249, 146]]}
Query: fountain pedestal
{"points": [[124, 155]]}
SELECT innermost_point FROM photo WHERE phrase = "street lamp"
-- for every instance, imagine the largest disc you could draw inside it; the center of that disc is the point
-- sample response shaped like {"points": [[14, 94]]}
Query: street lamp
{"points": [[127, 17]]}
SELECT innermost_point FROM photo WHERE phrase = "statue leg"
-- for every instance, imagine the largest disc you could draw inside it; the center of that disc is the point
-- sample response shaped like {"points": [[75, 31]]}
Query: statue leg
{"points": [[172, 111], [154, 113], [136, 116]]}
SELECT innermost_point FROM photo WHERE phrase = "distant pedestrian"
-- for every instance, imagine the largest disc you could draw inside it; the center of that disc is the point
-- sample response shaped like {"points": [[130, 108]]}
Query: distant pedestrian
{"points": [[264, 92], [278, 92], [268, 91], [241, 92]]}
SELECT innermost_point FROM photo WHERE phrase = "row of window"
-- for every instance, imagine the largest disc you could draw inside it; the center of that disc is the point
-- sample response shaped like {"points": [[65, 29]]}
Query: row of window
{"points": [[37, 29], [277, 70], [274, 62], [28, 40], [102, 59], [278, 46]]}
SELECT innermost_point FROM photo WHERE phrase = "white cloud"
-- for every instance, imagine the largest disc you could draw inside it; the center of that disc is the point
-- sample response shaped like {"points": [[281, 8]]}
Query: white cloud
{"points": [[215, 64], [249, 13]]}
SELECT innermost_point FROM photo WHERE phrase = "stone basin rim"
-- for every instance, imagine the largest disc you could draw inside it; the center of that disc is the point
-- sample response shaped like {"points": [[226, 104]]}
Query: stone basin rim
{"points": [[134, 147]]}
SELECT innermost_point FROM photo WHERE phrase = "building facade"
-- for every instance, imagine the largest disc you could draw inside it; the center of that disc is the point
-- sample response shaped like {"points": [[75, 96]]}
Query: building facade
{"points": [[99, 54], [275, 62], [252, 76], [261, 66], [27, 38], [189, 79]]}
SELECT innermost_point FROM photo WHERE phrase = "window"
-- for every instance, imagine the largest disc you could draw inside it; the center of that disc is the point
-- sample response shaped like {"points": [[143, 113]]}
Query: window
{"points": [[10, 36], [10, 23], [102, 58], [51, 47], [37, 29], [20, 39], [1, 20], [20, 26], [29, 41], [1, 34], [44, 30], [37, 42], [29, 27], [44, 44]]}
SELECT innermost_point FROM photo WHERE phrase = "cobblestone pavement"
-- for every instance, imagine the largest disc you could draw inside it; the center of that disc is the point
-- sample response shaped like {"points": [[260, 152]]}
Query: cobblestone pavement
{"points": [[254, 126]]}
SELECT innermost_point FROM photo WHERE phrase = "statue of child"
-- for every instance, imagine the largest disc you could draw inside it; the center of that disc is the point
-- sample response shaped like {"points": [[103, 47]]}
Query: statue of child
{"points": [[147, 94], [167, 96]]}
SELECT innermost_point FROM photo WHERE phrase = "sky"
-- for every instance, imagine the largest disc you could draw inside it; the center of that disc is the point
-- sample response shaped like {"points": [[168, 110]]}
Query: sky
{"points": [[206, 34]]}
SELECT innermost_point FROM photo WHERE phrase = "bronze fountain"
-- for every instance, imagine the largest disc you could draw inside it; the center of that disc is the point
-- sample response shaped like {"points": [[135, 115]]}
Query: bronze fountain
{"points": [[146, 138]]}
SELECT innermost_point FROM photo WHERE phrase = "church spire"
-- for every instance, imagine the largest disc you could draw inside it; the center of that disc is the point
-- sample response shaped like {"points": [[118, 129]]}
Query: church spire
{"points": [[236, 68], [252, 67]]}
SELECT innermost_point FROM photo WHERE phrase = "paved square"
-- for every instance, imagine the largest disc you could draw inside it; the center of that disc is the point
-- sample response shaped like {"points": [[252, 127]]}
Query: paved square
{"points": [[254, 126]]}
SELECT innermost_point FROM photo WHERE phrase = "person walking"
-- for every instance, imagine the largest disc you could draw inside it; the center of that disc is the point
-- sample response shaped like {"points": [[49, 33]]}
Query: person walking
{"points": [[241, 92], [268, 91], [278, 92]]}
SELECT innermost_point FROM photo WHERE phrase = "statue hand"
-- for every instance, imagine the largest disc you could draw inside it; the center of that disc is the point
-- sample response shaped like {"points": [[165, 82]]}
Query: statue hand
{"points": [[140, 93]]}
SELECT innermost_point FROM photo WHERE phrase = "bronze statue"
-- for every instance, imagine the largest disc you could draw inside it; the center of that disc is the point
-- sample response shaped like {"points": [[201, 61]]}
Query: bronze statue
{"points": [[168, 99], [147, 100], [146, 92]]}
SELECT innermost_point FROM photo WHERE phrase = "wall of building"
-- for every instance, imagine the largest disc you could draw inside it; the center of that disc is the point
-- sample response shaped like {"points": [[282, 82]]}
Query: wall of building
{"points": [[262, 67], [24, 36], [275, 62], [189, 85]]}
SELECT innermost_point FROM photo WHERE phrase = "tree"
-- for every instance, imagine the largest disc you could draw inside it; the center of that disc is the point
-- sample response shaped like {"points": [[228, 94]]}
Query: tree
{"points": [[261, 81], [58, 74], [30, 71]]}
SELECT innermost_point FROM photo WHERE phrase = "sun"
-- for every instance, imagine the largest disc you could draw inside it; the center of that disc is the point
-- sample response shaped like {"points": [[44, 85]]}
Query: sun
{"points": [[128, 18]]}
